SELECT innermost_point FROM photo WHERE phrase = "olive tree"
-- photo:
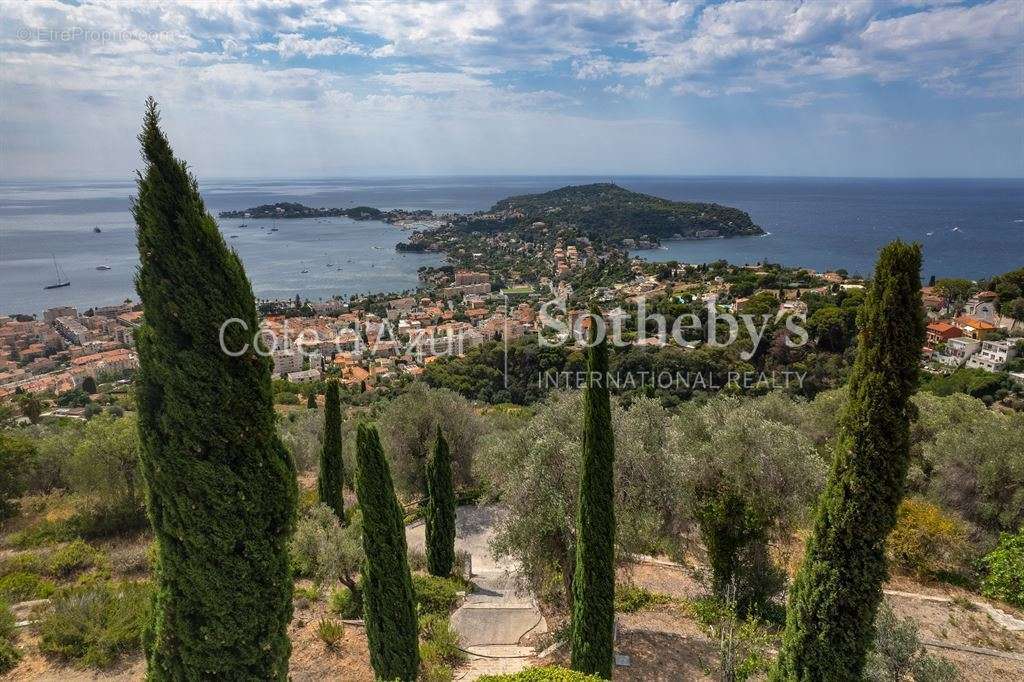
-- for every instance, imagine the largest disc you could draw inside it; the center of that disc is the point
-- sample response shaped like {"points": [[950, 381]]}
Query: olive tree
{"points": [[301, 431], [534, 473], [978, 470], [748, 476], [104, 464], [408, 428], [328, 552]]}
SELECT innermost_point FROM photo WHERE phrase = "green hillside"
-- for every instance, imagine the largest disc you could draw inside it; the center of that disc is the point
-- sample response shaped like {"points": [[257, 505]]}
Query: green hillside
{"points": [[609, 211]]}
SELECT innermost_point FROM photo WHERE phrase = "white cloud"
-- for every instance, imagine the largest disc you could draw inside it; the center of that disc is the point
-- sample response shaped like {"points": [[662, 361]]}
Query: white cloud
{"points": [[293, 44]]}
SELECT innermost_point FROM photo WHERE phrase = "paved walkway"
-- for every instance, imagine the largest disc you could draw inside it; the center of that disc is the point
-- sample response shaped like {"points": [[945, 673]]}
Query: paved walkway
{"points": [[496, 616]]}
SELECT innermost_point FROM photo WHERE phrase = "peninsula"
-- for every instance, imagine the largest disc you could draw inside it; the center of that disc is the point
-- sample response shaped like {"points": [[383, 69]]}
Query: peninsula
{"points": [[288, 209]]}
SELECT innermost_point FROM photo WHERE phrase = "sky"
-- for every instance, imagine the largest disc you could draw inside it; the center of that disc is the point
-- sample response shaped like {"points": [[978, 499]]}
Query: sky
{"points": [[321, 88]]}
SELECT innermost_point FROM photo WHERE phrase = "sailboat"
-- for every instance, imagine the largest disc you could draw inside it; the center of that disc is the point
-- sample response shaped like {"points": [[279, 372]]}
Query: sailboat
{"points": [[61, 280]]}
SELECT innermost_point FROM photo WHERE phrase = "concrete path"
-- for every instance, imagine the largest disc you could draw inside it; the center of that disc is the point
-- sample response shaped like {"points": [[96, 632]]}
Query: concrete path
{"points": [[1004, 619], [494, 619]]}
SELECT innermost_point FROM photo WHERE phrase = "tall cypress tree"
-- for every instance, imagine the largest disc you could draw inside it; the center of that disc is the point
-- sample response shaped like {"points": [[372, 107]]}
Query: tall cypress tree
{"points": [[440, 518], [221, 490], [311, 400], [332, 469], [593, 609], [389, 611], [832, 604]]}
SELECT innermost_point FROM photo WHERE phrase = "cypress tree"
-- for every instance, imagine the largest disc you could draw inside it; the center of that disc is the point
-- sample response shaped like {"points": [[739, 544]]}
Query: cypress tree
{"points": [[389, 611], [332, 469], [593, 609], [311, 400], [440, 518], [220, 486], [832, 604]]}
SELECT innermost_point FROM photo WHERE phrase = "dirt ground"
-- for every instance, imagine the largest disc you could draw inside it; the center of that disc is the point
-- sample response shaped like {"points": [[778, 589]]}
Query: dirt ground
{"points": [[665, 644], [662, 643], [311, 660]]}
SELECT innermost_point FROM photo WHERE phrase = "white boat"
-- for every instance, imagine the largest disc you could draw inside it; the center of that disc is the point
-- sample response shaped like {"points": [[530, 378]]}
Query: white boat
{"points": [[102, 267]]}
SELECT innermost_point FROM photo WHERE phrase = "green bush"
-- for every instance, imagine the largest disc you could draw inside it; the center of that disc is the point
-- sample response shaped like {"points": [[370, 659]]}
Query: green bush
{"points": [[330, 631], [304, 596], [73, 558], [26, 562], [896, 653], [440, 642], [286, 399], [345, 605], [94, 625], [1004, 578], [103, 520], [550, 673], [632, 598], [436, 595], [43, 533], [16, 457], [9, 656], [18, 587], [926, 540]]}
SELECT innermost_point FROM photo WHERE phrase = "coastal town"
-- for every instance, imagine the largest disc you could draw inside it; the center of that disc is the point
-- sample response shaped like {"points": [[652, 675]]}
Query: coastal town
{"points": [[373, 341], [511, 268]]}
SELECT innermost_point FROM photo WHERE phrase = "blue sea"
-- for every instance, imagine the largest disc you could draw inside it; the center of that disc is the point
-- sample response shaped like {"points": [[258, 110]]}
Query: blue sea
{"points": [[968, 228]]}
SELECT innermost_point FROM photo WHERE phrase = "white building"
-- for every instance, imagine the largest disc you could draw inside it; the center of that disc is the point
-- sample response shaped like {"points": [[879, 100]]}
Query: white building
{"points": [[286, 361], [958, 351], [994, 355]]}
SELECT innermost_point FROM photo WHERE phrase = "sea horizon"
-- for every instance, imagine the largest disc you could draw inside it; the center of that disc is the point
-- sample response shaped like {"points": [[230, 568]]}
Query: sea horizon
{"points": [[965, 225]]}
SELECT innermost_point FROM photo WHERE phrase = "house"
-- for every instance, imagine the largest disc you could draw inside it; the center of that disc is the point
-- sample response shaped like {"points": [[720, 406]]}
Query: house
{"points": [[940, 332], [354, 376], [982, 306], [994, 355], [975, 328], [958, 351], [400, 306], [304, 376]]}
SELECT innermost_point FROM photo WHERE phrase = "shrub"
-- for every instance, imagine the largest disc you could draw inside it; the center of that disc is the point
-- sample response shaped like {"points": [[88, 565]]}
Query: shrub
{"points": [[24, 586], [330, 631], [440, 643], [632, 598], [304, 596], [26, 562], [286, 399], [43, 533], [345, 604], [94, 625], [926, 540], [9, 656], [897, 653], [439, 649], [74, 557], [436, 595], [104, 467], [103, 520], [979, 471], [550, 673], [1004, 568], [16, 457]]}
